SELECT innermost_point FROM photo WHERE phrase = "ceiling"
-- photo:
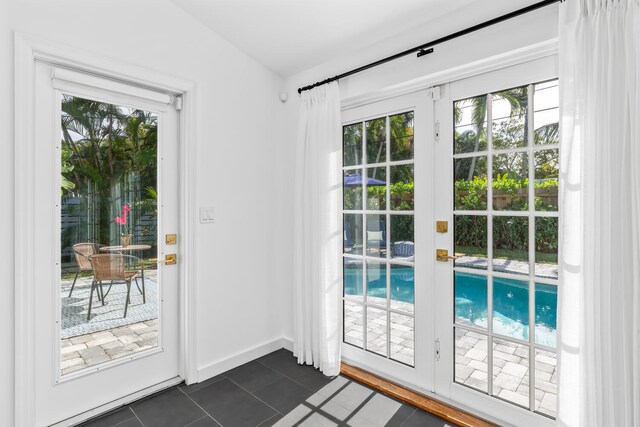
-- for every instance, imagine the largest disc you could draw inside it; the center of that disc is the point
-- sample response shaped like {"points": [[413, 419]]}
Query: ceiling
{"points": [[289, 36]]}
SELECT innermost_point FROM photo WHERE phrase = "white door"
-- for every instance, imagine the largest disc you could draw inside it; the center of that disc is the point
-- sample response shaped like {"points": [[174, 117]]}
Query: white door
{"points": [[388, 290], [497, 164], [106, 199]]}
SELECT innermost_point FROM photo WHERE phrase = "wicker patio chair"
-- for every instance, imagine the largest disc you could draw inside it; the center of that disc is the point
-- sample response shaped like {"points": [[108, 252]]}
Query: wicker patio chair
{"points": [[82, 253], [114, 268]]}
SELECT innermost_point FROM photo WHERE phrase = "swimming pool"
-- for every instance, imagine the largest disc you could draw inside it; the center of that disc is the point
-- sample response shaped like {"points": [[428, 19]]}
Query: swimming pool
{"points": [[510, 299]]}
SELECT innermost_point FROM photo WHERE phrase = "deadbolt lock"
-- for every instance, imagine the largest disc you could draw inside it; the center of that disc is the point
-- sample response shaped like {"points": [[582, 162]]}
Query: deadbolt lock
{"points": [[442, 226], [171, 239]]}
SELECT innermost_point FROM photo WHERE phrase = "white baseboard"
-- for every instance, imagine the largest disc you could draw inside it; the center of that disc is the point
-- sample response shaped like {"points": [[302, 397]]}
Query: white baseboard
{"points": [[288, 343], [235, 360]]}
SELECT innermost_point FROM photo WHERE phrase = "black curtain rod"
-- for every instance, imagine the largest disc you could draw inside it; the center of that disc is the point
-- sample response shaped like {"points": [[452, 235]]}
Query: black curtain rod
{"points": [[427, 48]]}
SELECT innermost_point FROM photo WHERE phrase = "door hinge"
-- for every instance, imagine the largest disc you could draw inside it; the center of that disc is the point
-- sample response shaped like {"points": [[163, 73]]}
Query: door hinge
{"points": [[178, 103], [436, 130], [437, 349]]}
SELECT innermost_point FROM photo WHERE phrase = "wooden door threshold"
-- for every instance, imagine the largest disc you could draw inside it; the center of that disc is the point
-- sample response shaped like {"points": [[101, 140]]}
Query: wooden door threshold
{"points": [[444, 411]]}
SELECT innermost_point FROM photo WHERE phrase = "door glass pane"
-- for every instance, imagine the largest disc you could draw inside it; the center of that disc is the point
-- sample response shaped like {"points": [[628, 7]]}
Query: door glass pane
{"points": [[377, 188], [471, 240], [546, 100], [352, 190], [509, 118], [402, 287], [511, 371], [546, 314], [511, 244], [471, 299], [352, 234], [402, 188], [376, 235], [511, 308], [547, 247], [377, 283], [401, 127], [377, 330], [402, 338], [353, 275], [470, 118], [471, 357], [546, 179], [353, 324], [402, 235], [546, 382], [470, 189], [352, 145], [108, 233], [376, 140], [511, 182]]}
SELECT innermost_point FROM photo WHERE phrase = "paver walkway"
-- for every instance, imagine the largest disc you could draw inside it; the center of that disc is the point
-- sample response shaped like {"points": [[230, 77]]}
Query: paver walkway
{"points": [[89, 350]]}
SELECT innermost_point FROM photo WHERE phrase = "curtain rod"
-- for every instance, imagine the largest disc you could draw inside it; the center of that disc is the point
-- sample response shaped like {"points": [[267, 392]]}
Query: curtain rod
{"points": [[427, 48]]}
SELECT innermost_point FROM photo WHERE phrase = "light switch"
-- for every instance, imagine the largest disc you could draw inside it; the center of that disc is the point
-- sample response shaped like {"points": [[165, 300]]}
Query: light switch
{"points": [[207, 215]]}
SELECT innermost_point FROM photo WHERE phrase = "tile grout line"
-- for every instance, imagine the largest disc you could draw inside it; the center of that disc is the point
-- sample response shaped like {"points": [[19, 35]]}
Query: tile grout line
{"points": [[201, 418], [409, 416], [253, 395], [357, 409], [318, 409], [136, 415], [196, 403], [294, 380]]}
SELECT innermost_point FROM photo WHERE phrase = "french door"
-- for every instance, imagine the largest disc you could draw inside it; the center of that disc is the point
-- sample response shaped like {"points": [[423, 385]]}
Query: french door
{"points": [[106, 307], [498, 159], [475, 325], [387, 210]]}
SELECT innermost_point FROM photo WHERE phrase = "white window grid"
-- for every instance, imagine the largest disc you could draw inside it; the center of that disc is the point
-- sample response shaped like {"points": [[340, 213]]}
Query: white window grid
{"points": [[530, 149], [387, 260]]}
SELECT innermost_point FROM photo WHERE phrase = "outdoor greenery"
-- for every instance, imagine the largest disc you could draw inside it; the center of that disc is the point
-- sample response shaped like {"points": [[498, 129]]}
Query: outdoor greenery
{"points": [[509, 175], [509, 180], [108, 159]]}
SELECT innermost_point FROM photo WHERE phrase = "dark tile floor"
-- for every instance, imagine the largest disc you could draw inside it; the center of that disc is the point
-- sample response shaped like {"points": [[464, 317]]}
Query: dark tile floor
{"points": [[271, 391]]}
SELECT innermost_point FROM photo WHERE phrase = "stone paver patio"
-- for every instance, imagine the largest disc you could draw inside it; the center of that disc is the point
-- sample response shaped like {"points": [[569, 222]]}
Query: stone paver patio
{"points": [[89, 350], [510, 370], [510, 360], [401, 326]]}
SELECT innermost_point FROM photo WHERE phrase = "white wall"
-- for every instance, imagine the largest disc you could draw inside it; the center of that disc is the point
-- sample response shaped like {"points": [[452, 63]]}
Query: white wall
{"points": [[535, 27], [239, 121]]}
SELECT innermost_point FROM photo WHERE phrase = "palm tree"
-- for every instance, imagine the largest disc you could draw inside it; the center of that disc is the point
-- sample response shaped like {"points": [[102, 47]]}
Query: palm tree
{"points": [[517, 99]]}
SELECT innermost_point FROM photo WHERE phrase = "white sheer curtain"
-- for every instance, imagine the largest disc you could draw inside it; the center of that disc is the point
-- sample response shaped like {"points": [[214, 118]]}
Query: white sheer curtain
{"points": [[599, 297], [318, 236]]}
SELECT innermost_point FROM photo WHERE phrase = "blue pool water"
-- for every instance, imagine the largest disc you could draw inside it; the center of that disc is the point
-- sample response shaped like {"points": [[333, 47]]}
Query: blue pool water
{"points": [[510, 299]]}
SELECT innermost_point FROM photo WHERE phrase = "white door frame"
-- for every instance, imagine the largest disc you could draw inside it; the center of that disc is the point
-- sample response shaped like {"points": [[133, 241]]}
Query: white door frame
{"points": [[28, 50]]}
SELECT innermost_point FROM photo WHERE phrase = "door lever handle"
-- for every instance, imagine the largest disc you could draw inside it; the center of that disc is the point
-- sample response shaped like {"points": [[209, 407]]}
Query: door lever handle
{"points": [[443, 255], [169, 259]]}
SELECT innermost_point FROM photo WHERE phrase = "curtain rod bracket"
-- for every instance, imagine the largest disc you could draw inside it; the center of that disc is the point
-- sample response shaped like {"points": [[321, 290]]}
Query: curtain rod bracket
{"points": [[423, 52]]}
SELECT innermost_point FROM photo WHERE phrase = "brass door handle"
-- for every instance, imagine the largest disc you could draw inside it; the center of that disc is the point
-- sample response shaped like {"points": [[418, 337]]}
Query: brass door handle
{"points": [[169, 259], [443, 255]]}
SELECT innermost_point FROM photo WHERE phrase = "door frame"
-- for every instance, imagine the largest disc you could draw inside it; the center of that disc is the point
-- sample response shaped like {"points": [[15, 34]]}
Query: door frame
{"points": [[27, 50]]}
